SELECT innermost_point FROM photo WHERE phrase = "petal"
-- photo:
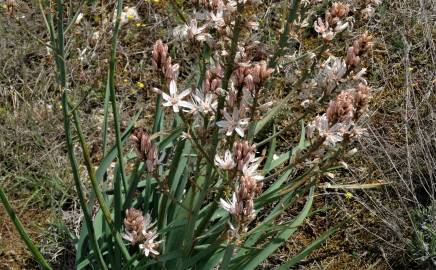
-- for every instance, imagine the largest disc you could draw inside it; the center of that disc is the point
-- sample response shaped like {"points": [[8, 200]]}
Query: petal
{"points": [[184, 93], [227, 116], [175, 108], [240, 131], [186, 104], [167, 104], [222, 124], [166, 96], [173, 88]]}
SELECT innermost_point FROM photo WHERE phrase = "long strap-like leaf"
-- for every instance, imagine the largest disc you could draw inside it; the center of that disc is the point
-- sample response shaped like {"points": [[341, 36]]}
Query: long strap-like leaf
{"points": [[17, 223]]}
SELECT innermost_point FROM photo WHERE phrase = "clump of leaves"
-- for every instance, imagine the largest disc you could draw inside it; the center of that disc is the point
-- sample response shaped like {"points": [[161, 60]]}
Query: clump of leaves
{"points": [[199, 194]]}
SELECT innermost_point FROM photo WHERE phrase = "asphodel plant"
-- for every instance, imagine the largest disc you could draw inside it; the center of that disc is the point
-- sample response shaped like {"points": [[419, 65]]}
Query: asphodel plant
{"points": [[206, 186]]}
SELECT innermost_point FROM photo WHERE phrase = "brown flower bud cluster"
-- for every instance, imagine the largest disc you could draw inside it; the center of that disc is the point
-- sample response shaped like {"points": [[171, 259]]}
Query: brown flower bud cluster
{"points": [[139, 230], [213, 79], [332, 23], [147, 151], [251, 76], [134, 224], [243, 153], [336, 13], [342, 113], [245, 194], [348, 105], [161, 61], [360, 46]]}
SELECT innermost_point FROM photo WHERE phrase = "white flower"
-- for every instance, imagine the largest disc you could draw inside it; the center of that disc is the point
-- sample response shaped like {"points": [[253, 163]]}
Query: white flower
{"points": [[233, 123], [368, 12], [229, 205], [217, 18], [334, 70], [227, 163], [206, 104], [332, 134], [340, 26], [322, 28], [149, 245], [196, 33], [174, 99], [250, 169], [128, 14]]}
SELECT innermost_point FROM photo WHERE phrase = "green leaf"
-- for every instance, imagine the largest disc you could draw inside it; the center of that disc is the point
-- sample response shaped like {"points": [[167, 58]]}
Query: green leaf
{"points": [[169, 140], [17, 223], [271, 155], [307, 250], [112, 154], [280, 238], [259, 125], [227, 257]]}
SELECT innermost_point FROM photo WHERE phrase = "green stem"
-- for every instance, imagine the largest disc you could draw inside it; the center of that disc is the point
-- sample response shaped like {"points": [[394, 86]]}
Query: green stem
{"points": [[292, 14], [35, 252], [78, 184], [96, 187], [115, 111]]}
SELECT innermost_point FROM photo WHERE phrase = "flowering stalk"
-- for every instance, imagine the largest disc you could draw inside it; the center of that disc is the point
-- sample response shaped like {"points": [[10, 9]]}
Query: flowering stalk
{"points": [[221, 100], [292, 14]]}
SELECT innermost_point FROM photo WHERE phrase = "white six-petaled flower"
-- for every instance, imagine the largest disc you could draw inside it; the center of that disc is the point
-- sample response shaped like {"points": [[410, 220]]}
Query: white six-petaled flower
{"points": [[149, 245], [176, 100], [204, 103], [226, 163], [250, 169], [229, 205], [233, 123]]}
